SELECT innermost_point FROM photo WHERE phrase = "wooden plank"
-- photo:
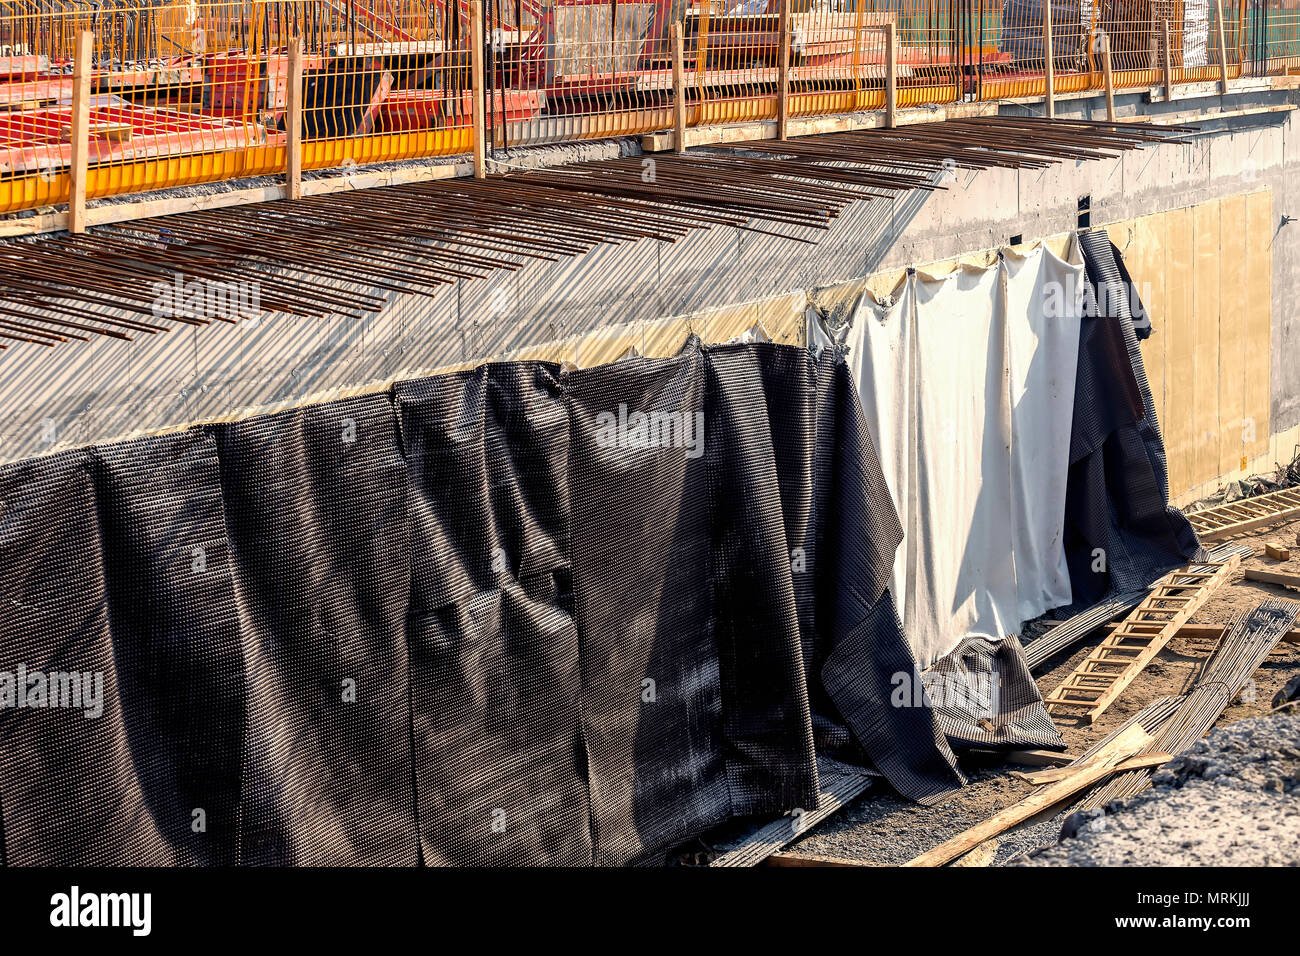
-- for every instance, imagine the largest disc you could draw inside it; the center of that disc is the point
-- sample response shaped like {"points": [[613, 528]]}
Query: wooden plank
{"points": [[1168, 62], [1232, 334], [1125, 745], [1038, 758], [1108, 77], [82, 70], [1041, 777], [1147, 255], [1201, 90], [679, 89], [1222, 48], [1049, 61], [476, 40], [1111, 666], [1277, 552], [1180, 354], [293, 122], [1273, 577], [982, 855], [891, 74], [1259, 312], [1205, 322], [783, 77]]}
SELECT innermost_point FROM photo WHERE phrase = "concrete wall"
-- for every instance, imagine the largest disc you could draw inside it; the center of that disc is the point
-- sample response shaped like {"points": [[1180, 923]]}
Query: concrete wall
{"points": [[83, 392], [1204, 273]]}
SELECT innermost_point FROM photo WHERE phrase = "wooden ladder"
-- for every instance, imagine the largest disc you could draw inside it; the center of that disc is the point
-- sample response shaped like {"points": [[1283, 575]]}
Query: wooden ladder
{"points": [[1223, 520], [1110, 668]]}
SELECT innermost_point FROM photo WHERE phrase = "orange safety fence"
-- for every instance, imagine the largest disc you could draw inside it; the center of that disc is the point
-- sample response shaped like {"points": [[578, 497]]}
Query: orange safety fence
{"points": [[1271, 37], [192, 91], [1134, 29], [837, 56]]}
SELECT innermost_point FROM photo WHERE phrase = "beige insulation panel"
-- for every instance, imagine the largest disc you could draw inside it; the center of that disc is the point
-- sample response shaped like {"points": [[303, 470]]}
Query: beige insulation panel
{"points": [[1205, 273], [1206, 320], [1232, 337], [1180, 349], [1259, 316], [1147, 258]]}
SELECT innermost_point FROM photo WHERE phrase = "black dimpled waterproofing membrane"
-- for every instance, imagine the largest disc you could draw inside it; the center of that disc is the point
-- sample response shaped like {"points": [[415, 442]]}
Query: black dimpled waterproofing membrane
{"points": [[1117, 496], [504, 616]]}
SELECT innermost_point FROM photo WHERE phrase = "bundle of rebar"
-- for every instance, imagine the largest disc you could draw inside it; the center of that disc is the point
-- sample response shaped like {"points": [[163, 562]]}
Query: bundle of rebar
{"points": [[342, 254], [1150, 718], [1242, 650]]}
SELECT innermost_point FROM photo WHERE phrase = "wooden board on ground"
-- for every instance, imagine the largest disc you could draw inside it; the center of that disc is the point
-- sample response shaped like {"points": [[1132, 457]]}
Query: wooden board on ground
{"points": [[1107, 761], [1273, 577], [1040, 777], [1038, 758], [982, 855], [1277, 552], [1116, 661]]}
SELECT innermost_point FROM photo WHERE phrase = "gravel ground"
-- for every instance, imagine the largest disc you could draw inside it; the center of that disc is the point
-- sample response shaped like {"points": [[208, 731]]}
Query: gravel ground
{"points": [[885, 829], [1232, 800]]}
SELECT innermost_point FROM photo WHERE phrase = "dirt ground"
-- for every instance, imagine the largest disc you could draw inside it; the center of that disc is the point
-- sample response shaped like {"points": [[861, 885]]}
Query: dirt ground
{"points": [[881, 828]]}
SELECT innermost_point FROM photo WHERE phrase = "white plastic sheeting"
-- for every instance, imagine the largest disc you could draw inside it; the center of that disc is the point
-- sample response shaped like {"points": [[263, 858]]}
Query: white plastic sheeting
{"points": [[1044, 305], [963, 581], [967, 384]]}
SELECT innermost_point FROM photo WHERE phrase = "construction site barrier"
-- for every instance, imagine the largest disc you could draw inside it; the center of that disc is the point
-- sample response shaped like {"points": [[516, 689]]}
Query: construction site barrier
{"points": [[167, 93]]}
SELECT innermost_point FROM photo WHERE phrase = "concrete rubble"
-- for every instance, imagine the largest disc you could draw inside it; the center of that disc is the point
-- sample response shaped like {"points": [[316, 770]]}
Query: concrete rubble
{"points": [[1232, 800]]}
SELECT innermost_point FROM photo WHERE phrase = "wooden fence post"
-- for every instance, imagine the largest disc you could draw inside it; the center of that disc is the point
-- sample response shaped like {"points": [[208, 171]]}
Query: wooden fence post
{"points": [[83, 67], [1169, 62], [891, 74], [476, 40], [293, 122], [1223, 49], [1049, 60], [1108, 76], [858, 33], [679, 89], [783, 78]]}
